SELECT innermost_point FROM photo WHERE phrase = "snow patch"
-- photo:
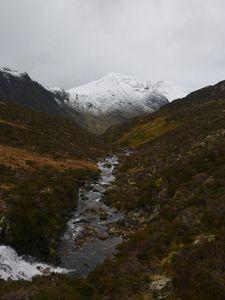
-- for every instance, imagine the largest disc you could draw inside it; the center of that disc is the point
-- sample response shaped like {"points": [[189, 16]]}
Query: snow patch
{"points": [[171, 91], [8, 71]]}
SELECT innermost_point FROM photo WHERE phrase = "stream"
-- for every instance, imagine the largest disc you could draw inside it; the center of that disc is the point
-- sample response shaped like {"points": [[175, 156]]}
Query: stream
{"points": [[86, 242]]}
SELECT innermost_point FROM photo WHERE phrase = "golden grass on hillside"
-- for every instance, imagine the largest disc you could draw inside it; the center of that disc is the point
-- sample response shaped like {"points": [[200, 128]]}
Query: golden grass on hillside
{"points": [[20, 158], [147, 132], [13, 124]]}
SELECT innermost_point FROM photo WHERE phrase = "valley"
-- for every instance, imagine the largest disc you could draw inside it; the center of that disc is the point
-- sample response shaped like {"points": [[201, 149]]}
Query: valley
{"points": [[134, 213], [95, 106]]}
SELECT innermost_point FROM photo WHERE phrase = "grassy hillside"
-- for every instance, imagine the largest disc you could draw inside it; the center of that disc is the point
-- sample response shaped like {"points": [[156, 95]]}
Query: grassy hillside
{"points": [[171, 189], [43, 160], [42, 133], [177, 167]]}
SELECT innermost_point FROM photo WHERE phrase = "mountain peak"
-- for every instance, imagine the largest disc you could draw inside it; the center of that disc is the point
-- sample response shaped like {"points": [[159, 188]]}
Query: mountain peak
{"points": [[116, 92], [114, 75], [15, 73]]}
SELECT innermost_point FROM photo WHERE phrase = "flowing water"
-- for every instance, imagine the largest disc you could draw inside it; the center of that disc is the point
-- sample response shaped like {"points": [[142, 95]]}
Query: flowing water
{"points": [[86, 242]]}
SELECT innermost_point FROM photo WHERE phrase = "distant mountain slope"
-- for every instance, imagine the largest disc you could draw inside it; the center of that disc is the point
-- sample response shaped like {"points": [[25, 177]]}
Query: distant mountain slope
{"points": [[117, 92], [96, 106], [41, 133], [19, 87], [171, 92], [118, 98], [146, 128]]}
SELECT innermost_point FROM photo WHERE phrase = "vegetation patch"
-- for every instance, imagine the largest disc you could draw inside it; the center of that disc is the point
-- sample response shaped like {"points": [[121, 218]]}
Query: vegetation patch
{"points": [[147, 132], [13, 124], [21, 158]]}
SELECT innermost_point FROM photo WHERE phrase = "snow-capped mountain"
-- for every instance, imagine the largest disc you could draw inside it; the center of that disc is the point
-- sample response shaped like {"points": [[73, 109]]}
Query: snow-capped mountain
{"points": [[95, 106], [8, 72], [115, 92], [115, 98]]}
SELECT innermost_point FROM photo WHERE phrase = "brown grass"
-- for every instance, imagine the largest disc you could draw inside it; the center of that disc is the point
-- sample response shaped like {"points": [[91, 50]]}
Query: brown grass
{"points": [[23, 159], [13, 124], [7, 186]]}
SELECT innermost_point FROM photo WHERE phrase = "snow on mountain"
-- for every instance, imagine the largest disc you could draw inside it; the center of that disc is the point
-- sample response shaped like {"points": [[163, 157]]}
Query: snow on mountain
{"points": [[114, 91], [169, 90], [8, 71], [16, 267]]}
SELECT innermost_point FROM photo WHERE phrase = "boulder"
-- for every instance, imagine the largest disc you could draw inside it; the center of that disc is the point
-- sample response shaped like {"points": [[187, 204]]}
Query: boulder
{"points": [[162, 288], [102, 235], [204, 238], [107, 165]]}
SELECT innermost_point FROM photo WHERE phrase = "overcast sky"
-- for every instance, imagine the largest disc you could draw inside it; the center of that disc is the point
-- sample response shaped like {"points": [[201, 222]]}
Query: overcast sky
{"points": [[68, 42]]}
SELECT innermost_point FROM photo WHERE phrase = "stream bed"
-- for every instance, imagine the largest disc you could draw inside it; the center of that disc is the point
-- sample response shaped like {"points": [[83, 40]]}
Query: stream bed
{"points": [[86, 242]]}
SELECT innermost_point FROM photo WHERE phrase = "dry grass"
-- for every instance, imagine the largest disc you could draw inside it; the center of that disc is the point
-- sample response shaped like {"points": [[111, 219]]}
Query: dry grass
{"points": [[13, 124], [7, 186], [23, 159], [2, 207]]}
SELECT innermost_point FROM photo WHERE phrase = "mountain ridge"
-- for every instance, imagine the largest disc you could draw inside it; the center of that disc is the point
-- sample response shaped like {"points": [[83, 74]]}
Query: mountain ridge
{"points": [[20, 88], [115, 89], [114, 98]]}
